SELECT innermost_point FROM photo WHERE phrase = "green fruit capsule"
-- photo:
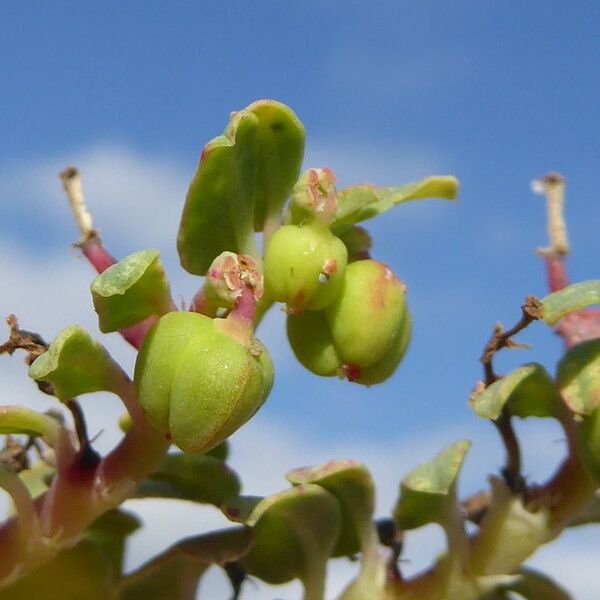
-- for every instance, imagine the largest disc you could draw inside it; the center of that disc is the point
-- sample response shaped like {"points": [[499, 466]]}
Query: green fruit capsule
{"points": [[305, 266], [588, 441], [197, 383], [367, 316], [363, 335], [310, 339]]}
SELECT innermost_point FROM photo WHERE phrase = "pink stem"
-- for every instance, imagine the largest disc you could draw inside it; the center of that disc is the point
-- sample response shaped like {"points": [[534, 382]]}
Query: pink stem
{"points": [[556, 272], [580, 325], [95, 252]]}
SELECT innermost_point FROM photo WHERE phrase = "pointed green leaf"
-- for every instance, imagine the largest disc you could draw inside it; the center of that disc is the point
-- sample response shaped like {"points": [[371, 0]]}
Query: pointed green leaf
{"points": [[351, 484], [428, 489], [578, 377], [590, 515], [528, 391], [18, 419], [243, 177], [75, 364], [108, 534], [130, 291], [198, 478], [299, 526], [78, 572], [174, 575], [557, 305], [362, 202]]}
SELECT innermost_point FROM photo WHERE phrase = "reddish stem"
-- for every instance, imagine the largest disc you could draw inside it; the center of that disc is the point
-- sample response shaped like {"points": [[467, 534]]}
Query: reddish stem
{"points": [[95, 252], [556, 272]]}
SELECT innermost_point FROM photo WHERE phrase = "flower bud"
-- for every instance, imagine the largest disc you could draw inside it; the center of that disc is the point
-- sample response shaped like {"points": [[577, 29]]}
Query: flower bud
{"points": [[199, 383], [304, 266]]}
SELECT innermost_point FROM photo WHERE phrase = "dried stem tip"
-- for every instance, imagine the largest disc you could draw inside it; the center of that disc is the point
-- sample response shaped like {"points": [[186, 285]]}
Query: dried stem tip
{"points": [[72, 183], [553, 187]]}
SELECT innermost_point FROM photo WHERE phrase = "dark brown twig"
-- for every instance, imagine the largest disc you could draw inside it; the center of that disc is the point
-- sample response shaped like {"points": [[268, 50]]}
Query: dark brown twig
{"points": [[88, 457], [530, 311]]}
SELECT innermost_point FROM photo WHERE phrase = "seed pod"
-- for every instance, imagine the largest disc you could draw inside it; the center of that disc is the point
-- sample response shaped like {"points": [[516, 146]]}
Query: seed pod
{"points": [[363, 335], [197, 383], [366, 317], [588, 441], [304, 266], [310, 339]]}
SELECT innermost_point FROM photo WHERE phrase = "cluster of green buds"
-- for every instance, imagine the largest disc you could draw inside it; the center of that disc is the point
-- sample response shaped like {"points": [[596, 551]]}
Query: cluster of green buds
{"points": [[347, 316]]}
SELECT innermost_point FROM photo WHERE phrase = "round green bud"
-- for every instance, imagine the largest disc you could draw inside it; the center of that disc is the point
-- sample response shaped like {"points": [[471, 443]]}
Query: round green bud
{"points": [[363, 335], [310, 339], [588, 442], [197, 383], [385, 368], [304, 266], [366, 317]]}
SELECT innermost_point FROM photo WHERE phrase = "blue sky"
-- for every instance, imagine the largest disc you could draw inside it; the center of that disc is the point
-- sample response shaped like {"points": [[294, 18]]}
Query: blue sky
{"points": [[496, 93]]}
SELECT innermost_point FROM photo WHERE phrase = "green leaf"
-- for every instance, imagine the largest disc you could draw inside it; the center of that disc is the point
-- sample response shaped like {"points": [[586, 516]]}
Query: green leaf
{"points": [[351, 484], [221, 451], [108, 534], [36, 478], [531, 585], [578, 377], [198, 478], [75, 364], [18, 419], [78, 572], [130, 291], [243, 178], [574, 297], [362, 202], [591, 515], [528, 391], [299, 526], [428, 489], [174, 575]]}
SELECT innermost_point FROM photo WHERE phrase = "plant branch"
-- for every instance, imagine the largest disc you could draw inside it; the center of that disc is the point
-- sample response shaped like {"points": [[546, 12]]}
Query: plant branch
{"points": [[530, 311]]}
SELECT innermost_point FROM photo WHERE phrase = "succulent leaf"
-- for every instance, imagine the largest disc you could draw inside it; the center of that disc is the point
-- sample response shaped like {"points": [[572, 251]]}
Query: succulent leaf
{"points": [[243, 179], [578, 377], [588, 443], [130, 291], [574, 297], [198, 478], [351, 484], [176, 572], [18, 419], [428, 489], [361, 202], [299, 526], [528, 391], [75, 364]]}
